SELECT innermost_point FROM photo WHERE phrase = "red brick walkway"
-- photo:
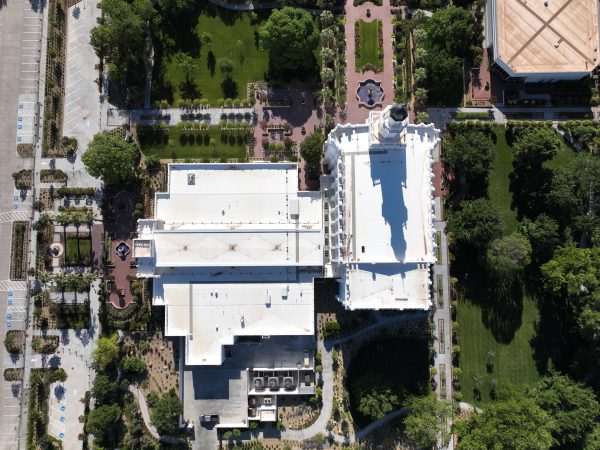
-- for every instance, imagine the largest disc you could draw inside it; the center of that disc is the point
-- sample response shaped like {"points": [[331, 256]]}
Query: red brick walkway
{"points": [[354, 112]]}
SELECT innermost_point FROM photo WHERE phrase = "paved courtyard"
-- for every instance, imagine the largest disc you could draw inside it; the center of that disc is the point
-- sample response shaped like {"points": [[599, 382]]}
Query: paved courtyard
{"points": [[354, 112], [82, 95]]}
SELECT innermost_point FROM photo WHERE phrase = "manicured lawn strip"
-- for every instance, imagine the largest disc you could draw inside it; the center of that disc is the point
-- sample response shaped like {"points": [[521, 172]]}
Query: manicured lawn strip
{"points": [[470, 115], [499, 181], [72, 256], [369, 48], [236, 41], [156, 142], [513, 363]]}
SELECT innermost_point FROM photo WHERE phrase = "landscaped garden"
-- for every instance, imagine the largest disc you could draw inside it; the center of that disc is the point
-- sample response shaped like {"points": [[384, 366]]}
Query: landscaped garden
{"points": [[369, 45], [212, 143], [495, 332], [218, 38], [19, 249], [78, 250]]}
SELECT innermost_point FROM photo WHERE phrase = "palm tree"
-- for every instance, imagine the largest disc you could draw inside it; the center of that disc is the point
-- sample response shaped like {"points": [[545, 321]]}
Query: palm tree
{"points": [[206, 38]]}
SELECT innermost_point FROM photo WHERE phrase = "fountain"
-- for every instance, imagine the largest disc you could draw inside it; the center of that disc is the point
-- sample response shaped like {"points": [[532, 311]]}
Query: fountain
{"points": [[122, 250], [369, 93], [56, 249]]}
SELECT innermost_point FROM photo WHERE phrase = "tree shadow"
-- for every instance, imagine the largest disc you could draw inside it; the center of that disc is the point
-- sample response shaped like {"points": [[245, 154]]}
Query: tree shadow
{"points": [[189, 88], [229, 88], [554, 338], [528, 188], [211, 63], [503, 311], [501, 304]]}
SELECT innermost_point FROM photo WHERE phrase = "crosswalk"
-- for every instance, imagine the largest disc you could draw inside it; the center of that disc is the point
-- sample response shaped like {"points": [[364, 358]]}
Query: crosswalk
{"points": [[11, 286], [13, 216]]}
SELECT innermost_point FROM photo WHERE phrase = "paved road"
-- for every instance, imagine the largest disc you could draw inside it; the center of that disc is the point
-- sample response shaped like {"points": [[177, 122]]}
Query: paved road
{"points": [[20, 47]]}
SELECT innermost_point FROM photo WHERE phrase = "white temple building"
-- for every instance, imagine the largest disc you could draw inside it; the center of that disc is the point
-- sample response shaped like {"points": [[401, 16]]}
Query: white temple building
{"points": [[379, 200], [233, 251]]}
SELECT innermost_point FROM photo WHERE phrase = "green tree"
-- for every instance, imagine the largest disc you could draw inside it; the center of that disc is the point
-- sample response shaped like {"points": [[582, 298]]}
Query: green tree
{"points": [[422, 117], [374, 396], [327, 75], [165, 415], [101, 422], [133, 364], [184, 63], [326, 18], [112, 158], [104, 390], [290, 36], [225, 66], [535, 147], [428, 421], [475, 223], [443, 70], [572, 271], [573, 408], [592, 440], [152, 163], [542, 234], [175, 8], [107, 352], [456, 30], [121, 36], [509, 255], [206, 38], [421, 95], [311, 148], [516, 423], [469, 155]]}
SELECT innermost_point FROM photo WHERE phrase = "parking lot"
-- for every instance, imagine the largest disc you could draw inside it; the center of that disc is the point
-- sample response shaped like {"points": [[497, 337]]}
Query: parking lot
{"points": [[12, 312]]}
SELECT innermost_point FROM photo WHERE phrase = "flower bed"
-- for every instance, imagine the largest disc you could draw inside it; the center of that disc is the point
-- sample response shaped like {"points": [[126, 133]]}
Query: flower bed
{"points": [[14, 341], [23, 179], [52, 176], [44, 344], [18, 251], [25, 150], [55, 80], [66, 192], [13, 374]]}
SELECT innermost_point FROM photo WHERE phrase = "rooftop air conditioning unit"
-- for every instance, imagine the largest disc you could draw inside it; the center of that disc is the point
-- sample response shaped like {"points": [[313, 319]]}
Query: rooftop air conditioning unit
{"points": [[273, 383], [288, 383], [259, 384], [267, 401]]}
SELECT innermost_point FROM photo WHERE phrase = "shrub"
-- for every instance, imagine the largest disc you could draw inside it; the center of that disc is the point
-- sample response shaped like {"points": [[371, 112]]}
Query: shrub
{"points": [[331, 329]]}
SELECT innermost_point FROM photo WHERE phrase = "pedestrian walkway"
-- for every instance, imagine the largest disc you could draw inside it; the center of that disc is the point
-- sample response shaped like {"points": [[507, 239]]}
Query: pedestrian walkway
{"points": [[356, 113], [13, 216]]}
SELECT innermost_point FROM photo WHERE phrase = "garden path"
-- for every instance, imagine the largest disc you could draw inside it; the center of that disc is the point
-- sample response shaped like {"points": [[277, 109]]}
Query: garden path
{"points": [[354, 112]]}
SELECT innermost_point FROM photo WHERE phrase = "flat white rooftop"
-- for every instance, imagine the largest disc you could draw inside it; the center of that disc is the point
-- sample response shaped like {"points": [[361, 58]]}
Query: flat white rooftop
{"points": [[233, 251], [212, 315], [534, 36], [382, 211]]}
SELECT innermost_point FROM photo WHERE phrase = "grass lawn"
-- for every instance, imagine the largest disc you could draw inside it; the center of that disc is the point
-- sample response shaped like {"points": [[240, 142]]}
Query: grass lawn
{"points": [[237, 40], [175, 144], [513, 361], [498, 188], [73, 256], [369, 51]]}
